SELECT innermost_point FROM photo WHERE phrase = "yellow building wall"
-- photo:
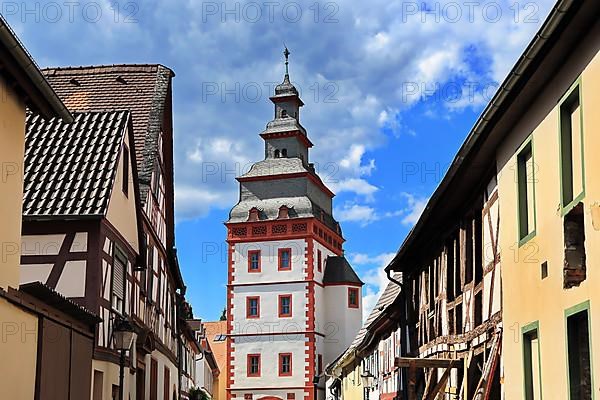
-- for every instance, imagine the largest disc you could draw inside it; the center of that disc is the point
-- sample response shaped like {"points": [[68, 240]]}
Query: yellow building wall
{"points": [[352, 388], [12, 147], [121, 208], [220, 391], [528, 298], [18, 347], [110, 377]]}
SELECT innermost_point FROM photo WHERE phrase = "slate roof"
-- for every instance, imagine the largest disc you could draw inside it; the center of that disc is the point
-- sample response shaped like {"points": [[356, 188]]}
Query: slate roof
{"points": [[141, 89], [339, 270], [275, 166], [70, 168], [299, 207]]}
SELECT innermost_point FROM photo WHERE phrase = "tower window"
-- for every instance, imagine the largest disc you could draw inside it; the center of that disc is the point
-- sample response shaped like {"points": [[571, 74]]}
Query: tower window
{"points": [[252, 307], [285, 364], [253, 260], [284, 114], [285, 305], [277, 155], [285, 259], [284, 153], [319, 364], [353, 297], [319, 260], [253, 367]]}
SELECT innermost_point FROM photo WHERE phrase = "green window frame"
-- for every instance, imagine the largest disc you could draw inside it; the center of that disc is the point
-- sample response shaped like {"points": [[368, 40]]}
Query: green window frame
{"points": [[569, 312], [569, 196], [529, 333], [525, 177]]}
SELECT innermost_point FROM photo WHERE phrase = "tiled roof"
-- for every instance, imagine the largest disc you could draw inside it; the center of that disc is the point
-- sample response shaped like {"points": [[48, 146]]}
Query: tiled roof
{"points": [[54, 299], [141, 89], [219, 347], [339, 270], [70, 168]]}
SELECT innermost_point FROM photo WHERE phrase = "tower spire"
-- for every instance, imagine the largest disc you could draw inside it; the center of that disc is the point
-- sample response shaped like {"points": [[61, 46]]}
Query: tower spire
{"points": [[286, 53]]}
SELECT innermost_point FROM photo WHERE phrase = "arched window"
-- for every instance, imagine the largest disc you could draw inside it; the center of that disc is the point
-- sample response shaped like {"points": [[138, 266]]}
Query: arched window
{"points": [[277, 153], [284, 153], [283, 113]]}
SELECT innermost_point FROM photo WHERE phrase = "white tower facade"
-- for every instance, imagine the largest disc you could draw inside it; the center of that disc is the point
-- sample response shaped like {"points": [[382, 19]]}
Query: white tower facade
{"points": [[293, 301]]}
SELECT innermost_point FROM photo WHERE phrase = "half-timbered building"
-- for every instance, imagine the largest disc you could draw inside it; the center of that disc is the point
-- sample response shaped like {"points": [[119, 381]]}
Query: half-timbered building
{"points": [[98, 217], [496, 294], [46, 339]]}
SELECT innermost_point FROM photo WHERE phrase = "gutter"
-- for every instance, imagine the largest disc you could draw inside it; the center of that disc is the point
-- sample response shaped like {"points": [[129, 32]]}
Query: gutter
{"points": [[498, 101], [25, 61]]}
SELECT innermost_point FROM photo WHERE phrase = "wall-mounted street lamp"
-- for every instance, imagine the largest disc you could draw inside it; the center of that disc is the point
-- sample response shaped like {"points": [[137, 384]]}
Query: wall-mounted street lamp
{"points": [[123, 335]]}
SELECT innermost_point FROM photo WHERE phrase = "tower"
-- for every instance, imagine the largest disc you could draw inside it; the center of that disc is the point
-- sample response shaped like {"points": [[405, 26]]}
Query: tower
{"points": [[293, 300]]}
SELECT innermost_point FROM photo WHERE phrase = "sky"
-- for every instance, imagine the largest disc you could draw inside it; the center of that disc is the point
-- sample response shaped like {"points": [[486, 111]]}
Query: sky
{"points": [[391, 90]]}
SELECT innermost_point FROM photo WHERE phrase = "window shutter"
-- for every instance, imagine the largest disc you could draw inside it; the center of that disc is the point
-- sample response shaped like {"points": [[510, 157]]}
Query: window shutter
{"points": [[119, 278]]}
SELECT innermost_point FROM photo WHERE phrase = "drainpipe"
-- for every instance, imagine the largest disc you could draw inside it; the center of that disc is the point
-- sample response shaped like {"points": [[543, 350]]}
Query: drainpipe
{"points": [[403, 329]]}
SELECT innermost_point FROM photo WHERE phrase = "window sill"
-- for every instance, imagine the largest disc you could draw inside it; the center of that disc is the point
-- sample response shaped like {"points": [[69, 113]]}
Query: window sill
{"points": [[527, 238], [565, 209]]}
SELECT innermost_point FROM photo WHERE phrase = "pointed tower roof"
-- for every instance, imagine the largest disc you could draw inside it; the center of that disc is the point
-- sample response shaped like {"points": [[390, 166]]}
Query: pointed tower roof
{"points": [[286, 88]]}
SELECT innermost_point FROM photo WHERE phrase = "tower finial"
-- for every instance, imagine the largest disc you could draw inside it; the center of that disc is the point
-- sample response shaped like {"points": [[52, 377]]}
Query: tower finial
{"points": [[286, 53]]}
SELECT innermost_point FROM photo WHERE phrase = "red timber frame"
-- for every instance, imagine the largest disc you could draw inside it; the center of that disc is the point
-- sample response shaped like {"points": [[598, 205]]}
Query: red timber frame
{"points": [[310, 229]]}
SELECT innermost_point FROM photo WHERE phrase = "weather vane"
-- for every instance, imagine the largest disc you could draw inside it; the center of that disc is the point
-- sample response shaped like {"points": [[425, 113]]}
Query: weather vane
{"points": [[286, 53]]}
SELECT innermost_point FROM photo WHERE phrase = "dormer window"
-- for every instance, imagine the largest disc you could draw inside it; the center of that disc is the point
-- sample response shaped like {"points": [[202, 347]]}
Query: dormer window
{"points": [[277, 155], [253, 215], [283, 212]]}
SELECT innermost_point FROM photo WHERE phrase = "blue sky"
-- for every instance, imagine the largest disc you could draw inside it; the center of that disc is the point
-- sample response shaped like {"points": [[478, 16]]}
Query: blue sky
{"points": [[391, 90]]}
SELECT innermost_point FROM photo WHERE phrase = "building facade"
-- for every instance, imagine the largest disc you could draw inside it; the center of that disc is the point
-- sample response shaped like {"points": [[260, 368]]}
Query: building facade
{"points": [[294, 302], [528, 164], [102, 233], [216, 335], [550, 196], [46, 339], [368, 368]]}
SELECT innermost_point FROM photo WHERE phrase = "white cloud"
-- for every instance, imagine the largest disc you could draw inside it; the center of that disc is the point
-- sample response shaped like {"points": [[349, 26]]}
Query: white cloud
{"points": [[414, 208], [365, 259], [353, 76], [375, 278], [355, 185], [366, 214], [356, 213]]}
